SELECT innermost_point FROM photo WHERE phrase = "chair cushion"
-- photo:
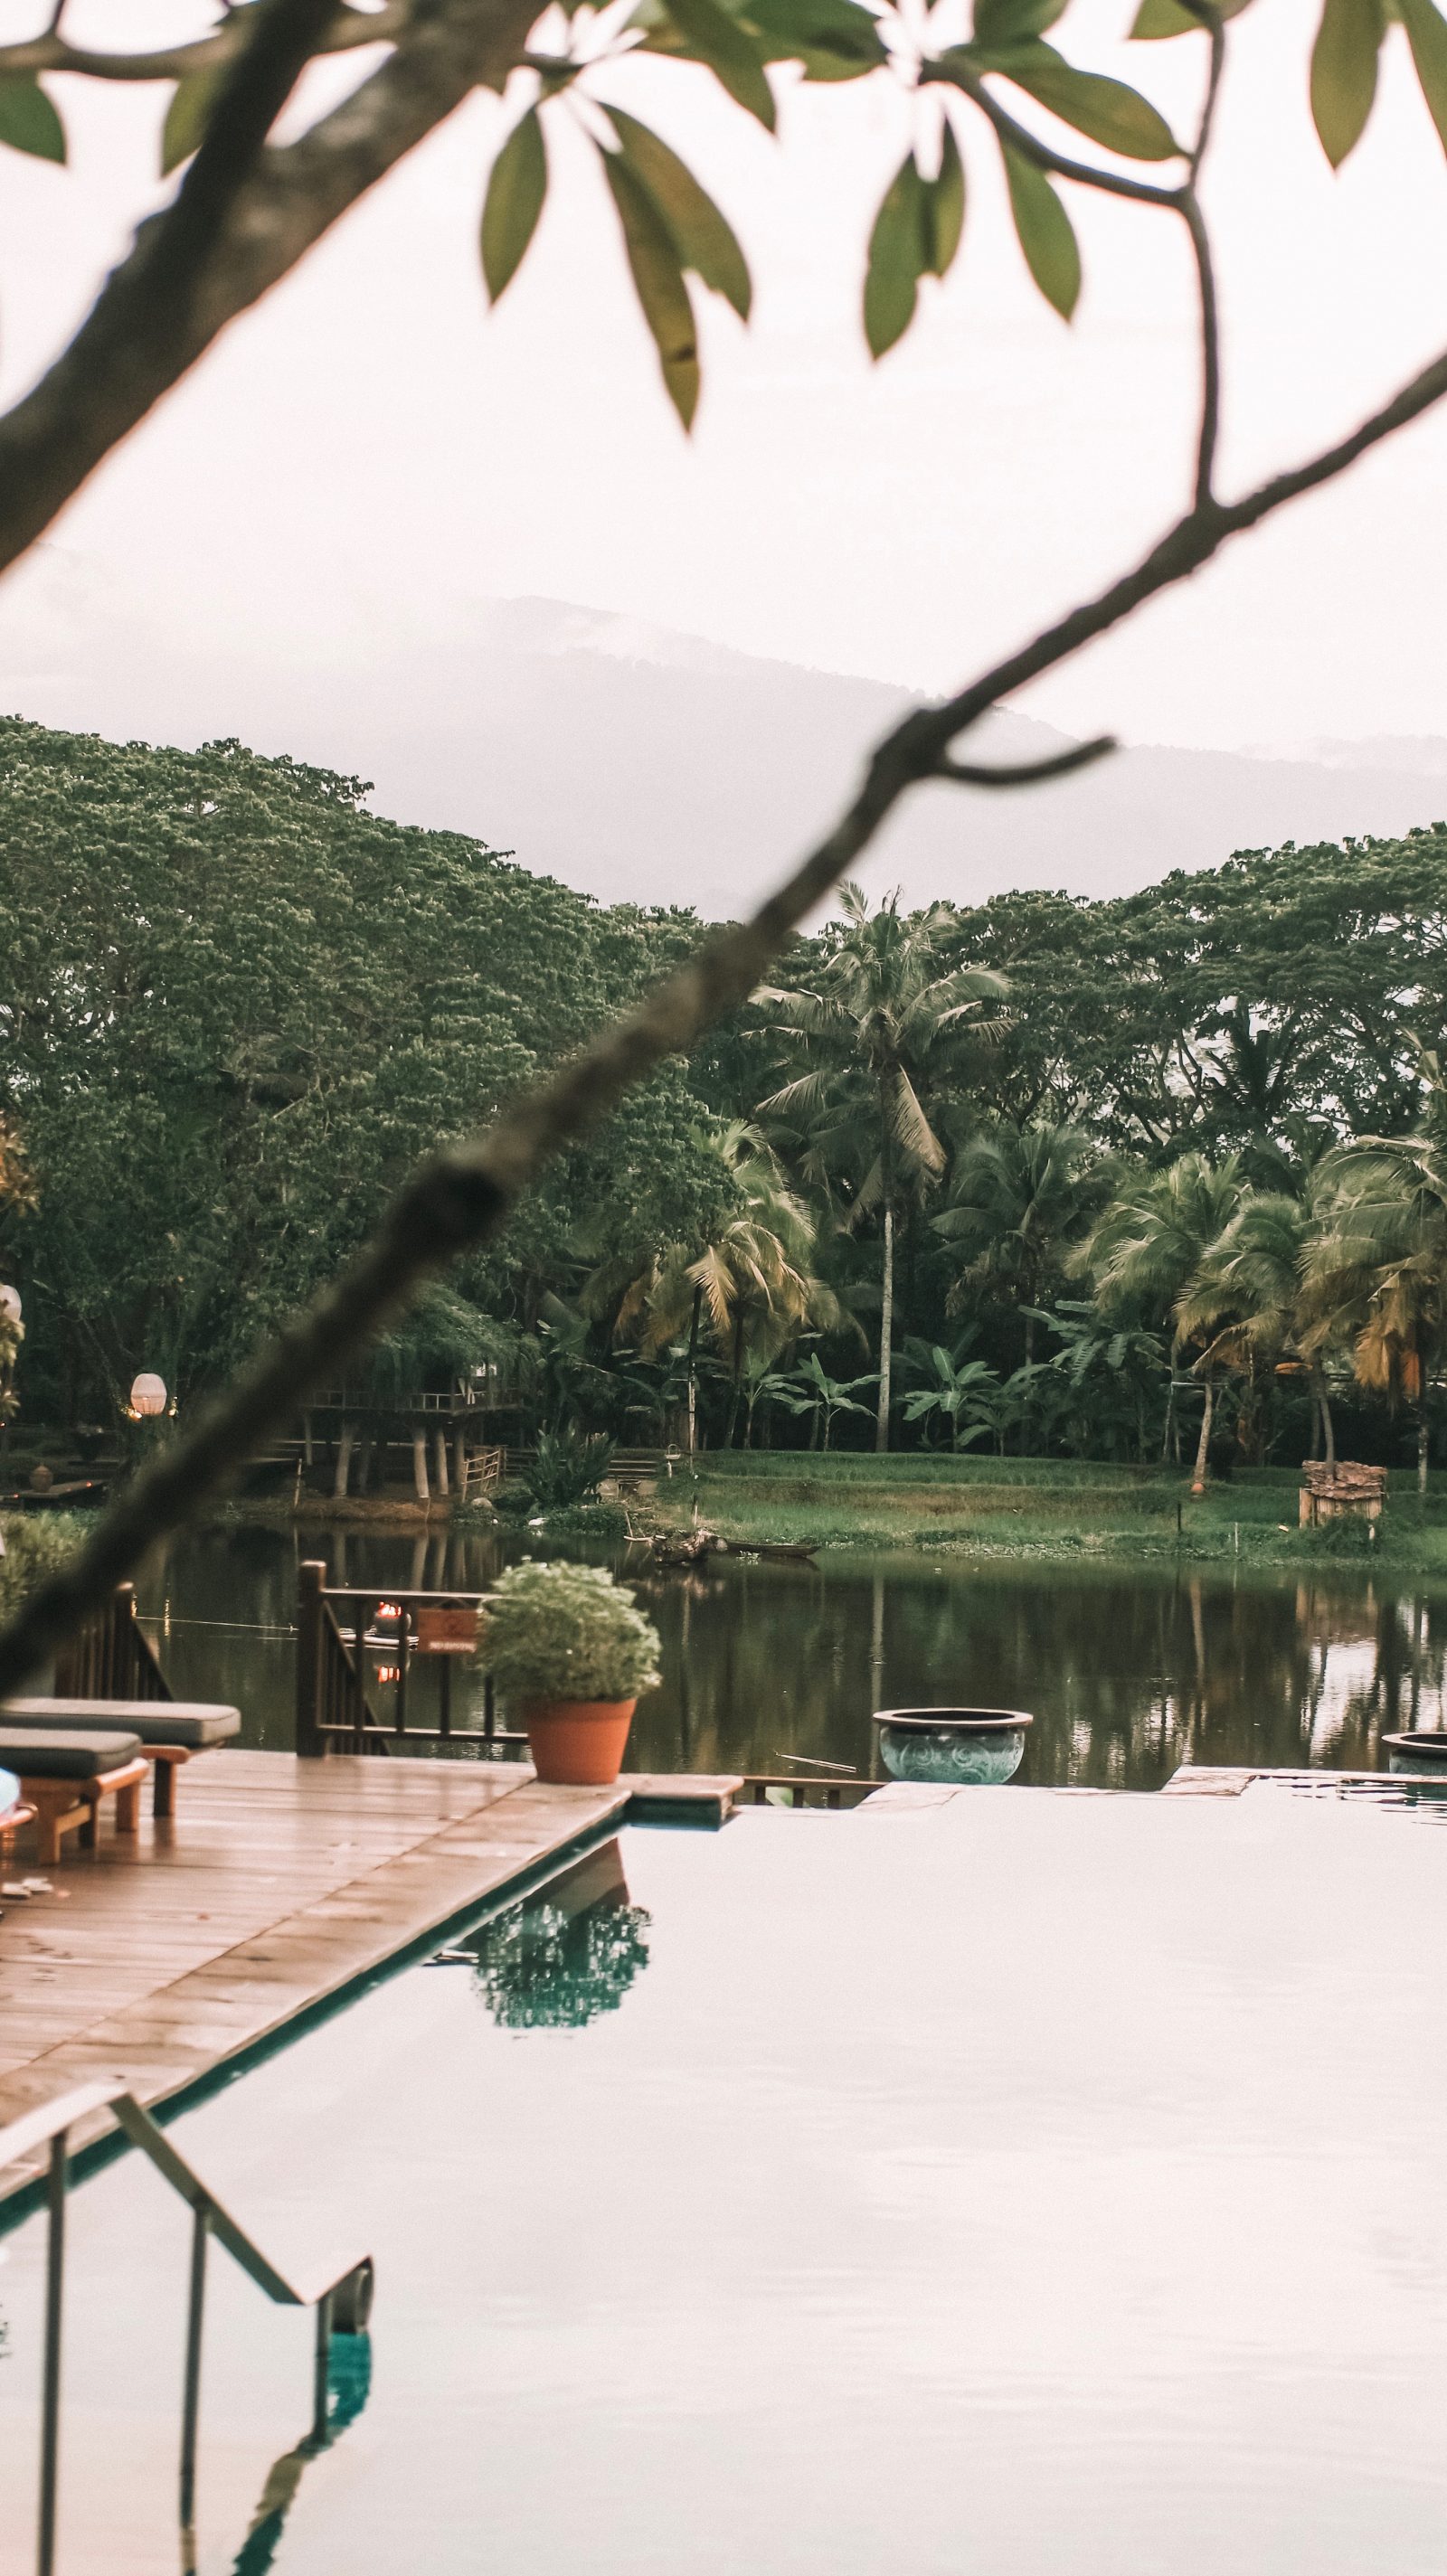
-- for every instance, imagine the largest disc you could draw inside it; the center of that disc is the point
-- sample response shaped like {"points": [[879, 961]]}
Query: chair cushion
{"points": [[71, 1753], [193, 1723]]}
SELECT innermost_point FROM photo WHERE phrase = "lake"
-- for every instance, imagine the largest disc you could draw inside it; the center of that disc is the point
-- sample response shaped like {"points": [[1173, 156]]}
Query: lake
{"points": [[1128, 1670]]}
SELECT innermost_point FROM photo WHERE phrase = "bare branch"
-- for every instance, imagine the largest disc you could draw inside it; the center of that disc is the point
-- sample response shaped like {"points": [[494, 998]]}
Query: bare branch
{"points": [[1210, 18], [1028, 773], [140, 337], [462, 1197], [51, 53]]}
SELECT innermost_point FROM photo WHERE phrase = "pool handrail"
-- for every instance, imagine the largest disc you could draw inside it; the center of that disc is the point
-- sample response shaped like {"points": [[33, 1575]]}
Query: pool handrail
{"points": [[341, 2294]]}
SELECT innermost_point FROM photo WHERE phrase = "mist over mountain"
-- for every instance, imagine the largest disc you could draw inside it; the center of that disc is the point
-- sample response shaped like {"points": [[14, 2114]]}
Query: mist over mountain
{"points": [[647, 766]]}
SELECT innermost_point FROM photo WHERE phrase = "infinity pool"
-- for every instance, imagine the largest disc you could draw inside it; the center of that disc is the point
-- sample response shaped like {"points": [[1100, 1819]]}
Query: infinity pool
{"points": [[1038, 2185]]}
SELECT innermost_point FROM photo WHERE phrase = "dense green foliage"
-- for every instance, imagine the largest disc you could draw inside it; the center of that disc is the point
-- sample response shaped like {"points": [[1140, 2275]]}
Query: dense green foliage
{"points": [[1160, 1176], [236, 1007]]}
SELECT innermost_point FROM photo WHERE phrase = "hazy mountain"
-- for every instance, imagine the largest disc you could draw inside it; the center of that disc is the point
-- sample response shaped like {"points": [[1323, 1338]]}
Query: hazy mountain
{"points": [[645, 765]]}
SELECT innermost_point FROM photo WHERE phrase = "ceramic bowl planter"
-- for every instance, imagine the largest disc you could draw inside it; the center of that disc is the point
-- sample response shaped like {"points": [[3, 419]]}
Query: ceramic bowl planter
{"points": [[958, 1747], [1420, 1753], [571, 1651]]}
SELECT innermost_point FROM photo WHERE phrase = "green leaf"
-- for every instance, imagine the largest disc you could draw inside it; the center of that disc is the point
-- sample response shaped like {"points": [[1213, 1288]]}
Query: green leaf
{"points": [[28, 122], [186, 118], [1344, 73], [1012, 22], [1047, 236], [945, 206], [901, 248], [833, 39], [1106, 110], [659, 281], [702, 237], [730, 52], [1427, 36], [1156, 18], [514, 201]]}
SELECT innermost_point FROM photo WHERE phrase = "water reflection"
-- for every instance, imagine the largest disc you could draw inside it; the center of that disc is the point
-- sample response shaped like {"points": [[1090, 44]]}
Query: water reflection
{"points": [[566, 1956], [1129, 1671]]}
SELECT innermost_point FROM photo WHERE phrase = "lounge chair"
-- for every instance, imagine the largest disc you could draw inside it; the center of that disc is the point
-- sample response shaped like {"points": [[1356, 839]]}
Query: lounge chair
{"points": [[170, 1730], [64, 1774]]}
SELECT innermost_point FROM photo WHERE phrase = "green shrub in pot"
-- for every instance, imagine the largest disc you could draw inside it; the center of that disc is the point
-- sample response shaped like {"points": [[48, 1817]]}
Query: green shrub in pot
{"points": [[568, 1632]]}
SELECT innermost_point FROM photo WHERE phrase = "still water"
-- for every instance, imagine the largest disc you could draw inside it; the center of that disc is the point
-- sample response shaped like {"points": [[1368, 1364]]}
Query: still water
{"points": [[1127, 1671], [1040, 2184]]}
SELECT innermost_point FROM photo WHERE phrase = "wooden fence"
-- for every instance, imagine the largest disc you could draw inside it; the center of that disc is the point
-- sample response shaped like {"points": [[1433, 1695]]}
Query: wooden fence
{"points": [[111, 1657], [355, 1677]]}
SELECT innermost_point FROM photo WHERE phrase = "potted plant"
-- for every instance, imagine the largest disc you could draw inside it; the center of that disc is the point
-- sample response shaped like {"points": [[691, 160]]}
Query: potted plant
{"points": [[570, 1648]]}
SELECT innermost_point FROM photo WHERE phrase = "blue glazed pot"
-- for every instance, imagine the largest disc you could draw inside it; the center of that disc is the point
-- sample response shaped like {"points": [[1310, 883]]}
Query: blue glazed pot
{"points": [[1422, 1753], [959, 1747]]}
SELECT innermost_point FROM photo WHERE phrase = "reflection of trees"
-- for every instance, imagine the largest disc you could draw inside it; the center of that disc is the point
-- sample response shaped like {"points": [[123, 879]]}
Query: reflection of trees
{"points": [[566, 1956]]}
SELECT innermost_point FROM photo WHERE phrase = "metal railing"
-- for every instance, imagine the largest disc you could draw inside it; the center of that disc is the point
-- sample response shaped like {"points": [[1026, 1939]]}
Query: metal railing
{"points": [[342, 2299], [335, 1703]]}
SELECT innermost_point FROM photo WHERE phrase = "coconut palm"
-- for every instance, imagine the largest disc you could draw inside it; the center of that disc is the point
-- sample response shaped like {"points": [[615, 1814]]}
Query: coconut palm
{"points": [[1375, 1270], [751, 1286], [881, 1019], [1245, 1297], [1147, 1250], [1019, 1199]]}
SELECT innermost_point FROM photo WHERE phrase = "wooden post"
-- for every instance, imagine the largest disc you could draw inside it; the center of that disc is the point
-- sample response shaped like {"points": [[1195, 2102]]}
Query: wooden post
{"points": [[116, 1682], [459, 1462], [311, 1576], [439, 1458], [344, 1461], [419, 1465], [364, 1464], [306, 1440]]}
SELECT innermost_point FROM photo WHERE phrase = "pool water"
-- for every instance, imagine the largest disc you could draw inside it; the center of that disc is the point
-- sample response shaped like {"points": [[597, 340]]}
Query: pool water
{"points": [[1029, 2183]]}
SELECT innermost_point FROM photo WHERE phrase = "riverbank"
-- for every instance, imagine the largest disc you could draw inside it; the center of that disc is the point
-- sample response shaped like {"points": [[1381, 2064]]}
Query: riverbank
{"points": [[1045, 1508]]}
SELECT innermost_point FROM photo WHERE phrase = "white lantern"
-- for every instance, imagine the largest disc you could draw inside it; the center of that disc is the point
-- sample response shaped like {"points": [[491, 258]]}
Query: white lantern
{"points": [[10, 1304], [148, 1396]]}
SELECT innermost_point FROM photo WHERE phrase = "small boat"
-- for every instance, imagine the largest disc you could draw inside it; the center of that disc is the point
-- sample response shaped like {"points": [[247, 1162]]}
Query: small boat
{"points": [[790, 1551]]}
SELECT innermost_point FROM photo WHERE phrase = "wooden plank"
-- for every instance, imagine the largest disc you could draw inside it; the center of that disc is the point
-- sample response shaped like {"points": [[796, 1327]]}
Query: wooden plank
{"points": [[280, 1883]]}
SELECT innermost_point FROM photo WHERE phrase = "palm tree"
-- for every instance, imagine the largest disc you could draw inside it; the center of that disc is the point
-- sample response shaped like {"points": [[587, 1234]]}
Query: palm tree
{"points": [[1246, 1294], [1019, 1198], [1375, 1271], [1147, 1251], [751, 1285], [879, 1021]]}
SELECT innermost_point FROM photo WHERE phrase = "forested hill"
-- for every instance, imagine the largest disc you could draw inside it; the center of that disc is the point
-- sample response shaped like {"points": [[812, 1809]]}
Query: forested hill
{"points": [[236, 1004]]}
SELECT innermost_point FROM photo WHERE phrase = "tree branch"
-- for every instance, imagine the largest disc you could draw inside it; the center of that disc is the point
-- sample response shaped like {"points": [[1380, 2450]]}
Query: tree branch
{"points": [[1113, 183], [462, 1197], [140, 336], [51, 52], [1028, 773]]}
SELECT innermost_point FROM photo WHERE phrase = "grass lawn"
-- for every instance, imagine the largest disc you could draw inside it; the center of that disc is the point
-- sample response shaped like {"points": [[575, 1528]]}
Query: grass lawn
{"points": [[1045, 1507]]}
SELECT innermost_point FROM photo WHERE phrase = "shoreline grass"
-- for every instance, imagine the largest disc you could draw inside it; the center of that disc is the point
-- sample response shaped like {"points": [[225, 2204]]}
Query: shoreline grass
{"points": [[1049, 1509]]}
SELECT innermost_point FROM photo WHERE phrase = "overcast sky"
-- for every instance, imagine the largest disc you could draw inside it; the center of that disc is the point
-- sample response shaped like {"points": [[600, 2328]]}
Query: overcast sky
{"points": [[372, 443]]}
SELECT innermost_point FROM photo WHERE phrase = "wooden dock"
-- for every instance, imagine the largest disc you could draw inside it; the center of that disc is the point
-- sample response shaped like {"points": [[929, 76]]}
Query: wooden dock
{"points": [[280, 1883]]}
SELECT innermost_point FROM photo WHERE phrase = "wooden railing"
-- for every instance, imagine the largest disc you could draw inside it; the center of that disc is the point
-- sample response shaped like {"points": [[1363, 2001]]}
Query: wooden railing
{"points": [[111, 1657], [340, 1701]]}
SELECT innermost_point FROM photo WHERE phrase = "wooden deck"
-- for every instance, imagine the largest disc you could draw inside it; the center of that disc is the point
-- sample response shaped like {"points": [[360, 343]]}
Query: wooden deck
{"points": [[280, 1883]]}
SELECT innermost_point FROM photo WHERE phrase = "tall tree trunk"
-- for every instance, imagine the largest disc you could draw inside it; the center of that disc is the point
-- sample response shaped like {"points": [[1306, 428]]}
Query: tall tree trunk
{"points": [[693, 1372], [419, 1469], [886, 1331], [736, 1390], [1198, 1481], [1422, 1436], [1328, 1427], [1170, 1417], [344, 1461], [1025, 1408]]}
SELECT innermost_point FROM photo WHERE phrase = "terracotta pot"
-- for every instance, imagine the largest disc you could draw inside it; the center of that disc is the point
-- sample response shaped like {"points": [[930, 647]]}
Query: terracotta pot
{"points": [[578, 1743]]}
